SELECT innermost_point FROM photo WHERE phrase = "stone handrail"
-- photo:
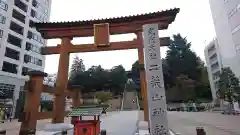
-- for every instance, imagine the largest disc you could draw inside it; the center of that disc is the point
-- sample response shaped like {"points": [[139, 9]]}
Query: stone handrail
{"points": [[123, 97]]}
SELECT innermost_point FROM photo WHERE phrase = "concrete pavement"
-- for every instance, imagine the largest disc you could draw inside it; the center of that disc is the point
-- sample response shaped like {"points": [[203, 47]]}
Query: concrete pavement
{"points": [[13, 127], [185, 123], [115, 123], [213, 123], [121, 123]]}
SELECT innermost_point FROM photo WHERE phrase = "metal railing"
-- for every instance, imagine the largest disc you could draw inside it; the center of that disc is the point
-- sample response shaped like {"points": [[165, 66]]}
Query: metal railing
{"points": [[123, 97]]}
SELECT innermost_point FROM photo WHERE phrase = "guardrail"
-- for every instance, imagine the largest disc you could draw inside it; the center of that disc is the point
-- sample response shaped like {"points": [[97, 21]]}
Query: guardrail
{"points": [[123, 97], [138, 105]]}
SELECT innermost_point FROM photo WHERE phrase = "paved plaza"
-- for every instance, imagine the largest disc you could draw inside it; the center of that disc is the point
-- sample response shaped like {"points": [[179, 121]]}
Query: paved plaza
{"points": [[115, 123], [185, 123]]}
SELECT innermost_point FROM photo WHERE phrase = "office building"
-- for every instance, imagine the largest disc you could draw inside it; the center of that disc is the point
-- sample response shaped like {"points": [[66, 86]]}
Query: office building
{"points": [[214, 65], [226, 17], [20, 43]]}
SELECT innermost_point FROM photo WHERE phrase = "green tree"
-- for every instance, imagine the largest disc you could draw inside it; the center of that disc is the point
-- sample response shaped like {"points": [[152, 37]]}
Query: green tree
{"points": [[118, 78], [186, 87], [103, 96], [135, 73], [97, 79], [228, 85], [77, 66], [203, 90], [181, 59]]}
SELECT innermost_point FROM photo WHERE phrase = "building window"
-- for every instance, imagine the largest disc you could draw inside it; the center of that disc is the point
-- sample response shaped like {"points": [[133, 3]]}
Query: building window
{"points": [[238, 47], [33, 60], [9, 67], [234, 11], [214, 66], [16, 28], [34, 36], [21, 5], [39, 6], [7, 90], [213, 57], [35, 4], [1, 33], [31, 23], [26, 58], [34, 14], [31, 47], [11, 53], [2, 19], [3, 5], [20, 17], [211, 48], [25, 70], [14, 40], [235, 29]]}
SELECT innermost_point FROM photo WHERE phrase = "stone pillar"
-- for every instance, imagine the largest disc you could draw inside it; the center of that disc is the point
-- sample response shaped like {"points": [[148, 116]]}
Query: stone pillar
{"points": [[142, 76], [158, 122], [61, 82], [35, 86]]}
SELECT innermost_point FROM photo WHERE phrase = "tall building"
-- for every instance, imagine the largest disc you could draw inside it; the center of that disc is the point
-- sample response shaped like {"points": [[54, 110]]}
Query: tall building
{"points": [[214, 65], [20, 43], [226, 17]]}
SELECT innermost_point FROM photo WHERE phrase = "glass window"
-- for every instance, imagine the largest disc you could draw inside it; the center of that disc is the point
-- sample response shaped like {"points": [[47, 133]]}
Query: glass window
{"points": [[1, 33], [7, 90], [10, 67], [234, 11], [236, 29], [3, 5], [2, 19]]}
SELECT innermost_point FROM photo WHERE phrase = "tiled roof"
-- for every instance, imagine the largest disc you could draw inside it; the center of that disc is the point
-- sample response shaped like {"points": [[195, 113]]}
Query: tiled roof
{"points": [[141, 17]]}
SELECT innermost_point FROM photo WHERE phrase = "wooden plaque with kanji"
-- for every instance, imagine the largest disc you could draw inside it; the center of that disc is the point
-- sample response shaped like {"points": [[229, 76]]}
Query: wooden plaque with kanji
{"points": [[101, 34]]}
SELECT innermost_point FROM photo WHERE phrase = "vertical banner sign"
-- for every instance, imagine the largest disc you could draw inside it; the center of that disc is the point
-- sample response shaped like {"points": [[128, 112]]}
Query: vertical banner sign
{"points": [[155, 85]]}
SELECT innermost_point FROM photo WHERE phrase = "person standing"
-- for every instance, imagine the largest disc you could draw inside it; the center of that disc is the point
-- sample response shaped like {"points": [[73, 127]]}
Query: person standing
{"points": [[10, 116]]}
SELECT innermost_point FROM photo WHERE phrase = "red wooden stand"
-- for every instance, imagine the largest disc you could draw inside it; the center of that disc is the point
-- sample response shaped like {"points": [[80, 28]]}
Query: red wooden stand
{"points": [[87, 127]]}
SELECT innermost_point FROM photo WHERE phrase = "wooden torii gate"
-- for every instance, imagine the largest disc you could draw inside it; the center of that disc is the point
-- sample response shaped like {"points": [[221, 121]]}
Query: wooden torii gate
{"points": [[101, 30]]}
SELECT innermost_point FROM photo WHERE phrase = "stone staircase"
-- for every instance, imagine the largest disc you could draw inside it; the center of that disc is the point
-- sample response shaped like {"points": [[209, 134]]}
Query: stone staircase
{"points": [[128, 98], [114, 104]]}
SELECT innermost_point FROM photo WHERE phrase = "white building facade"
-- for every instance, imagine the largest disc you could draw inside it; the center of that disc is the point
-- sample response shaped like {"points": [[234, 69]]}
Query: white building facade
{"points": [[20, 43], [226, 17], [214, 65]]}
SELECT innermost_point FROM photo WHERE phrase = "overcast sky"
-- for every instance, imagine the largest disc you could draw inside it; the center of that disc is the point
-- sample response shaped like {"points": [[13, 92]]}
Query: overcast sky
{"points": [[194, 22]]}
